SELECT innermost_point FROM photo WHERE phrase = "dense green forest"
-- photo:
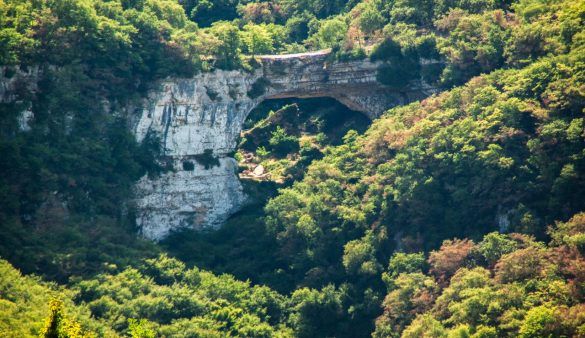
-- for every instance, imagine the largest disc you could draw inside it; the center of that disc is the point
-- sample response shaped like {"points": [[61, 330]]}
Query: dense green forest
{"points": [[460, 215]]}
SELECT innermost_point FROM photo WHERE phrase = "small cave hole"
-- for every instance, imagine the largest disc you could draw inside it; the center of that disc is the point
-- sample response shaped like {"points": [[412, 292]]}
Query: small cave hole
{"points": [[188, 166]]}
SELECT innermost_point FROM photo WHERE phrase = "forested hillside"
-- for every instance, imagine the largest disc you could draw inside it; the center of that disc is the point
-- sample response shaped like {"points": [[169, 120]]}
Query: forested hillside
{"points": [[460, 215]]}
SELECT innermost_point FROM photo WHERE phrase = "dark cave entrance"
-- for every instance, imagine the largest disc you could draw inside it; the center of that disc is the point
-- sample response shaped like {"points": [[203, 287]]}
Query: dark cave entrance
{"points": [[282, 137]]}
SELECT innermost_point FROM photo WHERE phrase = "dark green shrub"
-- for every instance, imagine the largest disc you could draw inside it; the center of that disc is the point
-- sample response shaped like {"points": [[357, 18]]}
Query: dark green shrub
{"points": [[9, 72], [207, 159], [395, 75], [350, 55], [282, 144], [431, 73], [388, 50], [211, 93], [258, 88], [427, 48], [188, 166]]}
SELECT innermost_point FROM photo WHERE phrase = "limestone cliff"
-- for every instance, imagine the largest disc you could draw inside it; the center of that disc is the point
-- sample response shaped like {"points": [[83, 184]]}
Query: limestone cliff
{"points": [[199, 120]]}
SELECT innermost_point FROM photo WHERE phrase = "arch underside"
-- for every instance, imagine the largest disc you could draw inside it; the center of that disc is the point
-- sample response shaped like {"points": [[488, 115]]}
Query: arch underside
{"points": [[366, 102]]}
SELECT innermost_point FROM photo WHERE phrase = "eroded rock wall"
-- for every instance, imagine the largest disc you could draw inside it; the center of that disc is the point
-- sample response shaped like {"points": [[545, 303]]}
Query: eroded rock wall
{"points": [[190, 117]]}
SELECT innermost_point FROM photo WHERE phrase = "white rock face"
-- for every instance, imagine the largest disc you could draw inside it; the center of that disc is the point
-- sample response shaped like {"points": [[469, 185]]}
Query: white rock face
{"points": [[190, 117], [198, 198], [205, 114], [259, 170], [24, 119]]}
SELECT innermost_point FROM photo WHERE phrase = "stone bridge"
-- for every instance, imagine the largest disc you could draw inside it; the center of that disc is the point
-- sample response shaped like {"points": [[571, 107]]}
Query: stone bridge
{"points": [[199, 120], [352, 83]]}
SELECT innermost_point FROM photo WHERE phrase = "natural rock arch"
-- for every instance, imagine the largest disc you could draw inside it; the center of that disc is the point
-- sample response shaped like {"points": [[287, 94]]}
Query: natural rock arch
{"points": [[199, 120]]}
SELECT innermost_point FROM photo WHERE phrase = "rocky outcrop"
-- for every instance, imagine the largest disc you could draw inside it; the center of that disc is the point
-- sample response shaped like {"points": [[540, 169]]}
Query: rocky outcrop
{"points": [[14, 81], [192, 117], [199, 120]]}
